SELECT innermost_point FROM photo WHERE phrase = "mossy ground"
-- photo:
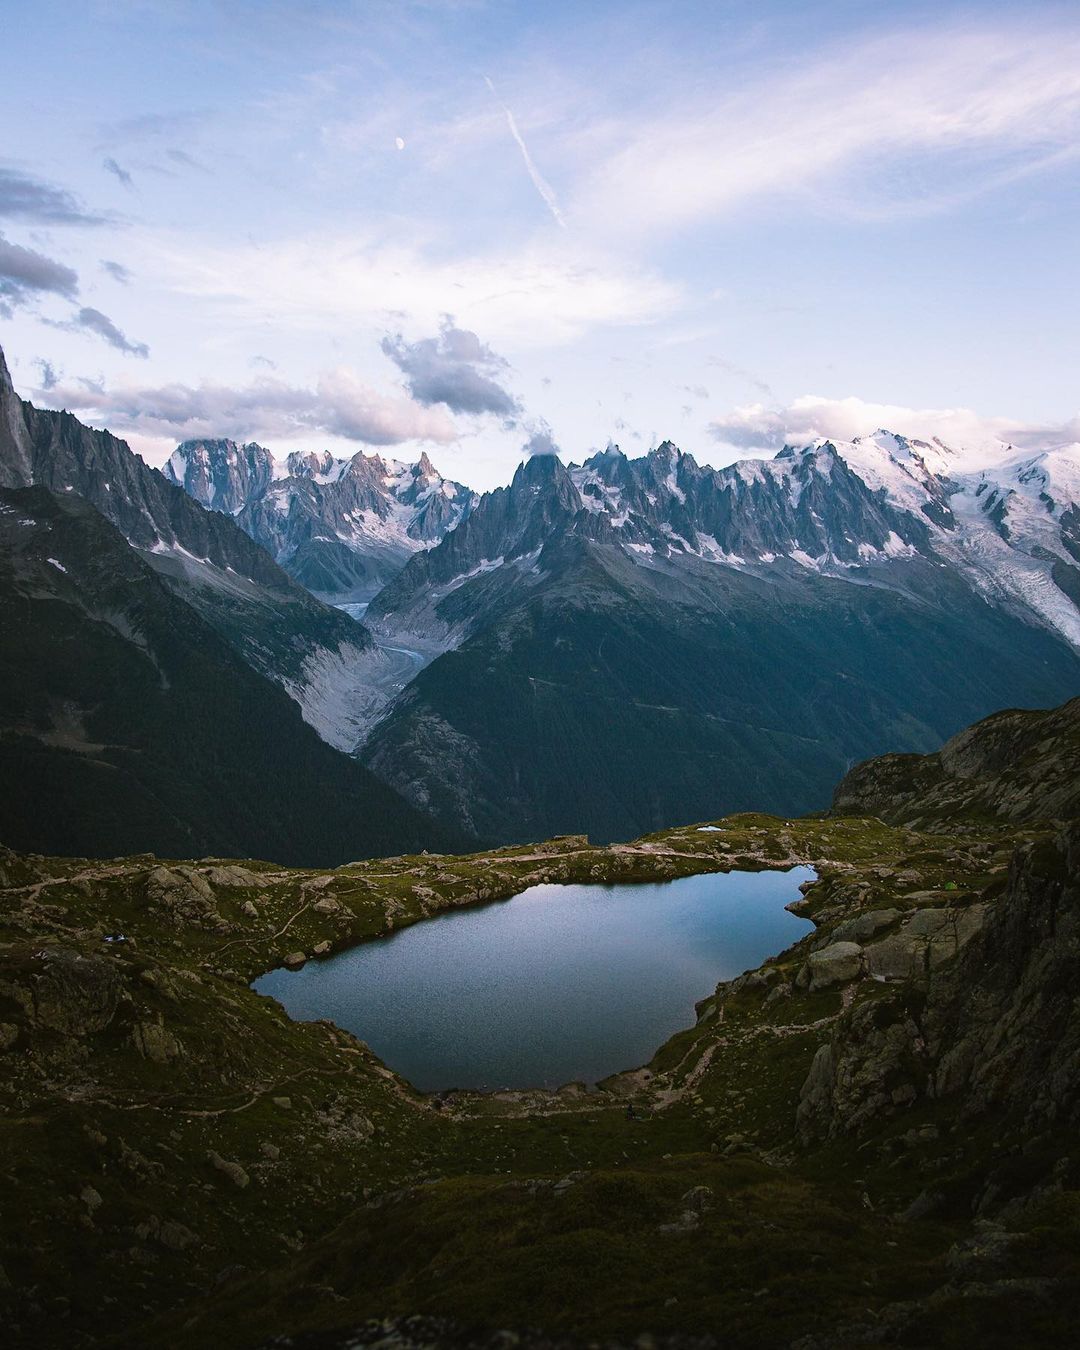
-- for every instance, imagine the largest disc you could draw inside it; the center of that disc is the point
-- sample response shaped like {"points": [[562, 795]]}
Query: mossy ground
{"points": [[354, 1196]]}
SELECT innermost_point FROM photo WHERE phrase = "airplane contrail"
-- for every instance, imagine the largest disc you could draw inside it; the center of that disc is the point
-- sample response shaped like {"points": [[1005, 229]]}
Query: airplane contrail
{"points": [[539, 182]]}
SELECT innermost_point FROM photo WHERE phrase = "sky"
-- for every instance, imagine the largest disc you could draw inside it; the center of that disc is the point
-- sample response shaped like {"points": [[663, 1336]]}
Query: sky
{"points": [[473, 226]]}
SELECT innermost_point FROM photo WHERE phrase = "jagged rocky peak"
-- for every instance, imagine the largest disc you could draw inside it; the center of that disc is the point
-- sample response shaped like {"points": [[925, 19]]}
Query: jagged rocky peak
{"points": [[16, 468], [540, 468], [556, 497], [343, 527], [200, 555], [875, 508], [308, 464], [220, 474]]}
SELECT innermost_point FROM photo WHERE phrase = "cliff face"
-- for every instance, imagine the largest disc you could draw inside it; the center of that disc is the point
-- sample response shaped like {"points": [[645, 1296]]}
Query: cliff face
{"points": [[1014, 766], [278, 628], [993, 1033]]}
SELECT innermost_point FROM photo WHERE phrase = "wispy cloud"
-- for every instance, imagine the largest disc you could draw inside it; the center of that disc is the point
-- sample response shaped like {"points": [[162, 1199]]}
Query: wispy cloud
{"points": [[741, 373], [24, 197], [26, 274], [116, 270], [534, 296], [118, 171], [911, 122], [153, 125], [50, 377], [93, 321], [90, 320], [539, 182], [541, 441], [185, 160]]}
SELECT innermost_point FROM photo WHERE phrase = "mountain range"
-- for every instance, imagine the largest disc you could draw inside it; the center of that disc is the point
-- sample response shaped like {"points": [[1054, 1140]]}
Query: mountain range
{"points": [[612, 646], [341, 527], [630, 642]]}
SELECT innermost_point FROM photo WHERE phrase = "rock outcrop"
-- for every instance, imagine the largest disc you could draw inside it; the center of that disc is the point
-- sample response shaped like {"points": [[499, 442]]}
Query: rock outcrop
{"points": [[1015, 766], [989, 1022]]}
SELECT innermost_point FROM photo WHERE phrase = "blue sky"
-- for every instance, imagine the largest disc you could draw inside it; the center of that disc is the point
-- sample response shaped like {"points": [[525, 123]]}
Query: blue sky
{"points": [[456, 225]]}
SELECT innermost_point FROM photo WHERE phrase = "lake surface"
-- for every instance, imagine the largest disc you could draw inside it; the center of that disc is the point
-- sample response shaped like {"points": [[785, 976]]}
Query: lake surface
{"points": [[561, 983]]}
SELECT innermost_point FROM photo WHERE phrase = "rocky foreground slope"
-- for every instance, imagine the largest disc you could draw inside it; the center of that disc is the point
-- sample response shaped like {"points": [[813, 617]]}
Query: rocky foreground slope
{"points": [[870, 1139]]}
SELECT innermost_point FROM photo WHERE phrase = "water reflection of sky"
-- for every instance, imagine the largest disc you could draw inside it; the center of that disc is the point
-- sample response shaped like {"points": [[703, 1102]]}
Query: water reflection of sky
{"points": [[560, 983]]}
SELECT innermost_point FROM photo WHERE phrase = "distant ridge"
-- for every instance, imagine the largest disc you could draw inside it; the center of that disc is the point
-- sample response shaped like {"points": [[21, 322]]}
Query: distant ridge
{"points": [[341, 527]]}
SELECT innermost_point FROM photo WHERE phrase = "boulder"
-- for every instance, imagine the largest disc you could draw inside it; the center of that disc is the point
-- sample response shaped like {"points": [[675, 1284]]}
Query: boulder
{"points": [[838, 963], [699, 1199], [898, 957], [183, 894], [74, 994], [155, 1042], [233, 876], [232, 1170], [925, 941], [90, 1198], [865, 926]]}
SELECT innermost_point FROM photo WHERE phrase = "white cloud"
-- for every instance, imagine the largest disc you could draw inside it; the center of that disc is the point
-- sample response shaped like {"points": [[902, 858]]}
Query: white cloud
{"points": [[762, 430], [906, 122], [339, 405]]}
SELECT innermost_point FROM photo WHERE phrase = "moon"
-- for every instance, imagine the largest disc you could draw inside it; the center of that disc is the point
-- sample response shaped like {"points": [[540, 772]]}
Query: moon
{"points": [[399, 142]]}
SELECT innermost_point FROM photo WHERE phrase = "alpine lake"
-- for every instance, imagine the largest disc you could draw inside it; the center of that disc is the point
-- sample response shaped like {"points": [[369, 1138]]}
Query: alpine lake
{"points": [[560, 984]]}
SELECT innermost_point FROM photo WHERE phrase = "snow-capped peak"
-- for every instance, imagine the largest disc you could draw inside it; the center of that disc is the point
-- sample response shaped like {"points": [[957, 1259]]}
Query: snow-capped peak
{"points": [[340, 525]]}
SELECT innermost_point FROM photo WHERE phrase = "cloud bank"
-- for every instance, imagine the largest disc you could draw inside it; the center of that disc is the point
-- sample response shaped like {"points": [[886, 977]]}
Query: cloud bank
{"points": [[339, 405], [762, 430]]}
